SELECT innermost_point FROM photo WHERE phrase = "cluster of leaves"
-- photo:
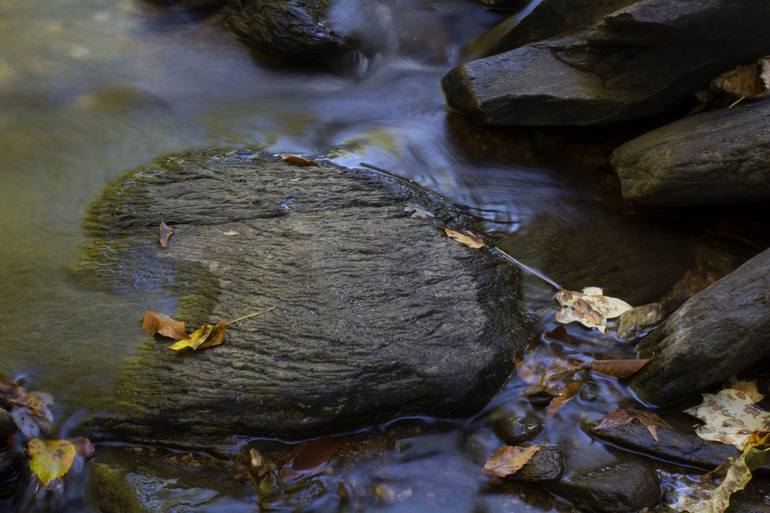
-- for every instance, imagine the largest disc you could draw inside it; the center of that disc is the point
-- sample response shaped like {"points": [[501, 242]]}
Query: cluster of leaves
{"points": [[49, 460]]}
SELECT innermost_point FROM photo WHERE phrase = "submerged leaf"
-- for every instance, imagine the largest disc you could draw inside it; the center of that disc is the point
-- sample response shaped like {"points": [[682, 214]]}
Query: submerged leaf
{"points": [[509, 459], [466, 238], [208, 335], [165, 234], [621, 417], [730, 416], [620, 369], [591, 307], [50, 459], [29, 410], [570, 391], [297, 160], [156, 323]]}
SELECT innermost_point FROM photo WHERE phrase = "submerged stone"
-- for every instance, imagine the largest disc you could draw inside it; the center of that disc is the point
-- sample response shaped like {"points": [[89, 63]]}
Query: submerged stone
{"points": [[378, 315]]}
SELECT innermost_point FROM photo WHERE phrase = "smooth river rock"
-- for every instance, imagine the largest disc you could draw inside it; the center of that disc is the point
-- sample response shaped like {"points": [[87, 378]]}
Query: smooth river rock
{"points": [[638, 61], [379, 315], [714, 335], [717, 157]]}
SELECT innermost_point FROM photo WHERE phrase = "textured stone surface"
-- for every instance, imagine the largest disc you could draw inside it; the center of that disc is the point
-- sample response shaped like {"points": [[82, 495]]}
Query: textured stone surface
{"points": [[720, 331], [637, 61], [378, 314], [717, 157], [624, 488], [546, 465]]}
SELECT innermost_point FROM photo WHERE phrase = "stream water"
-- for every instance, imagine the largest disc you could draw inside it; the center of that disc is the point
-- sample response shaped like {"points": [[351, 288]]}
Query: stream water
{"points": [[92, 88]]}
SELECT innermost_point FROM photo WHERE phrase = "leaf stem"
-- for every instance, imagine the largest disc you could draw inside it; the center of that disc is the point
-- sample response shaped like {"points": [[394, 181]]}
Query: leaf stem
{"points": [[255, 314]]}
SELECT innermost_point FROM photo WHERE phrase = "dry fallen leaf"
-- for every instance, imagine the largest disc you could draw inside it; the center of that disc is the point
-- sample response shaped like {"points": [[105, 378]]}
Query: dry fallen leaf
{"points": [[509, 459], [157, 323], [730, 416], [297, 160], [621, 417], [591, 307], [50, 459], [620, 369], [208, 335], [748, 81], [747, 387], [165, 234], [30, 410], [466, 238]]}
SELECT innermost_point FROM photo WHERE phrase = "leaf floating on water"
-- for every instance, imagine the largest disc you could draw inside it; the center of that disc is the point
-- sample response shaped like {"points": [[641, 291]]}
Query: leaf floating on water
{"points": [[50, 459], [620, 369], [466, 238], [570, 391], [730, 416], [417, 211], [165, 234], [509, 459], [621, 417], [156, 323], [591, 307], [297, 160], [30, 410]]}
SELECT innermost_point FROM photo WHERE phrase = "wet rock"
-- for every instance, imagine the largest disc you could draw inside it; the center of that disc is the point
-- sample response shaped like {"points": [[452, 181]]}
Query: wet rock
{"points": [[716, 157], [13, 472], [515, 429], [623, 488], [505, 4], [294, 29], [671, 445], [639, 319], [200, 6], [753, 499], [7, 426], [714, 335], [378, 314], [552, 18], [546, 465], [109, 492], [641, 60]]}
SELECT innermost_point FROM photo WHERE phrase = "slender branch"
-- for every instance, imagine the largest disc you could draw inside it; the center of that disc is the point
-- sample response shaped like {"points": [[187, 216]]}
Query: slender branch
{"points": [[255, 314]]}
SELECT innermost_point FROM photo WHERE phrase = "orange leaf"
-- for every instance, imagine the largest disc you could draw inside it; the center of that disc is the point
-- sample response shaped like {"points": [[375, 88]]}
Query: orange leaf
{"points": [[466, 238], [572, 388], [296, 160], [647, 419], [620, 369], [509, 459], [155, 323], [165, 234]]}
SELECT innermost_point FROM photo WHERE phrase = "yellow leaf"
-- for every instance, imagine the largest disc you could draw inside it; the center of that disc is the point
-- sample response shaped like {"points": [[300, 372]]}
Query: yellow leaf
{"points": [[216, 337], [195, 340], [509, 459], [50, 459], [466, 238]]}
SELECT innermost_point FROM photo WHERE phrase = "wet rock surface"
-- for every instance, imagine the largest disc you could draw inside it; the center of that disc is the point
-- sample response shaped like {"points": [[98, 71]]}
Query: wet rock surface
{"points": [[671, 445], [546, 465], [378, 314], [294, 29], [717, 157], [623, 488], [714, 335], [515, 429], [637, 61]]}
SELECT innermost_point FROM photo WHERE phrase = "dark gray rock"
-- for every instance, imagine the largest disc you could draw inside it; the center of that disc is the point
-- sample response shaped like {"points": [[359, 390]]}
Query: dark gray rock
{"points": [[379, 315], [546, 465], [7, 426], [720, 331], [190, 5], [717, 157], [753, 499], [13, 472], [624, 488], [515, 429], [637, 61], [553, 18], [300, 30], [505, 4], [671, 445]]}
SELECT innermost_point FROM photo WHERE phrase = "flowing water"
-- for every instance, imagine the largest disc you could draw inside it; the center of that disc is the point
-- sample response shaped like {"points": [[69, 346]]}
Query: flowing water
{"points": [[92, 88]]}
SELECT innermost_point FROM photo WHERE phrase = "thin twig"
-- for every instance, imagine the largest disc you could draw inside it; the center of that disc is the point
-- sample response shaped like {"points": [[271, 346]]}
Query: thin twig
{"points": [[255, 314], [527, 268], [736, 102]]}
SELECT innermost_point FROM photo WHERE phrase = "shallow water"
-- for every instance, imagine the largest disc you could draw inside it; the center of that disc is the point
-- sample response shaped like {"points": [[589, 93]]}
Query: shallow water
{"points": [[92, 88]]}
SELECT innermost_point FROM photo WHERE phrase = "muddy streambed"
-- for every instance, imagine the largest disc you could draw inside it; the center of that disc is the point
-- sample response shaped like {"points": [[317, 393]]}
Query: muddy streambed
{"points": [[92, 88]]}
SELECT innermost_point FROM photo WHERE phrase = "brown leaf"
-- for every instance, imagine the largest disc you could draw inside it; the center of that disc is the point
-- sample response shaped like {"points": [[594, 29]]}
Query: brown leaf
{"points": [[297, 160], [591, 307], [165, 234], [620, 369], [622, 417], [466, 238], [156, 323], [309, 459], [743, 81], [570, 391], [30, 411], [509, 459]]}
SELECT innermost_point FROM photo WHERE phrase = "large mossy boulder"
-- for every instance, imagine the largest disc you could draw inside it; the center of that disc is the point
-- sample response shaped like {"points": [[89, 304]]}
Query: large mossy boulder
{"points": [[717, 157], [637, 61], [713, 336], [379, 315]]}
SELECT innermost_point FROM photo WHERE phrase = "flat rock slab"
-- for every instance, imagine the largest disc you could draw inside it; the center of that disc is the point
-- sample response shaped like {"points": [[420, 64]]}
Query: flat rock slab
{"points": [[379, 315], [717, 157]]}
